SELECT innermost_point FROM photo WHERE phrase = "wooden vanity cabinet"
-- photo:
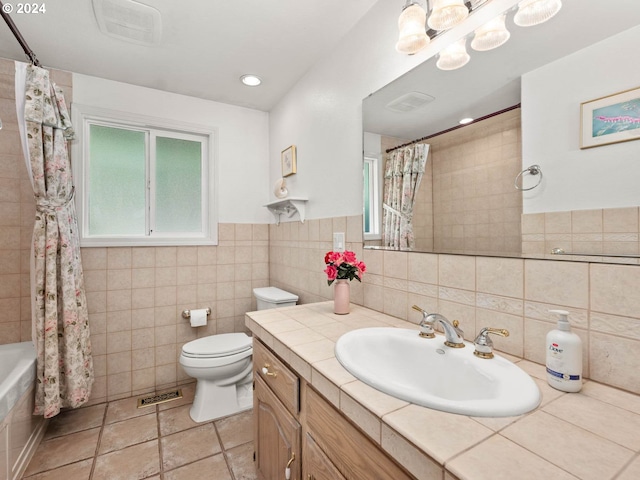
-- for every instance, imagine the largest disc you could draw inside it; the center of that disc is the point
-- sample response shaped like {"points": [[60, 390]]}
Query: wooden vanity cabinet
{"points": [[277, 433], [315, 464], [346, 448], [306, 427]]}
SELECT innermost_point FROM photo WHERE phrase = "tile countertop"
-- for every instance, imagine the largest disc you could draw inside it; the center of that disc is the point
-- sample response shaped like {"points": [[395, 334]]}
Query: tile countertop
{"points": [[591, 435]]}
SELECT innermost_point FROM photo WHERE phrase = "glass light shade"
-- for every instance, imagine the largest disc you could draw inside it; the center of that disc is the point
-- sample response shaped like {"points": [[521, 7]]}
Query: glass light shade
{"points": [[534, 12], [413, 36], [447, 13], [454, 56], [491, 35]]}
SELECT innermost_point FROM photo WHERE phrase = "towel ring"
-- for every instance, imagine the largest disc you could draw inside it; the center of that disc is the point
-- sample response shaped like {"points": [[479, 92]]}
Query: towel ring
{"points": [[532, 170]]}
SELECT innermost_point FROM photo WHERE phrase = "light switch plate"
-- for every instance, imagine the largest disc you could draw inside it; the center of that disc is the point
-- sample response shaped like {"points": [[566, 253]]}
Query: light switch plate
{"points": [[338, 241]]}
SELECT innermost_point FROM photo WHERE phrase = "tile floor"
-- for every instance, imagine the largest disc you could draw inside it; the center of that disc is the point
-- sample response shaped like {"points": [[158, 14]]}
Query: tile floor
{"points": [[118, 441]]}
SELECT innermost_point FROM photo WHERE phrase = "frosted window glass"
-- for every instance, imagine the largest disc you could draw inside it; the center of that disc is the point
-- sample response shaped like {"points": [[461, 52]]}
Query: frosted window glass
{"points": [[178, 185], [117, 180]]}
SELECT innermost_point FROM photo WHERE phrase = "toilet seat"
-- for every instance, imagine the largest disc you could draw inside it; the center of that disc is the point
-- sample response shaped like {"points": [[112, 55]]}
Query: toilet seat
{"points": [[218, 346]]}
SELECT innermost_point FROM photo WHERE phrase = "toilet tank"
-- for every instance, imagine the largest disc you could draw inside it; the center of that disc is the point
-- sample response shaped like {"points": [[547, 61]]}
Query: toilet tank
{"points": [[272, 297]]}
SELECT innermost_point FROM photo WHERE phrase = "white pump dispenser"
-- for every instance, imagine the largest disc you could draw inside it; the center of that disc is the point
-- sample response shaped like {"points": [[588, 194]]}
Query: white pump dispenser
{"points": [[564, 356]]}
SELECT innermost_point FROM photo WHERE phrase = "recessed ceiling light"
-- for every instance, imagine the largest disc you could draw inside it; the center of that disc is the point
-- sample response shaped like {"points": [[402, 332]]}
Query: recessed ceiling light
{"points": [[251, 80], [464, 121]]}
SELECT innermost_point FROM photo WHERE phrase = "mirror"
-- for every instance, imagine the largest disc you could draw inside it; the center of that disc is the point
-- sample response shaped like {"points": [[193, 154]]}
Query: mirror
{"points": [[468, 160]]}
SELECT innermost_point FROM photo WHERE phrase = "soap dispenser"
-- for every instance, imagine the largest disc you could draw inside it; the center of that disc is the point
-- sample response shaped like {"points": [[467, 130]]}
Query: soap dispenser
{"points": [[564, 356]]}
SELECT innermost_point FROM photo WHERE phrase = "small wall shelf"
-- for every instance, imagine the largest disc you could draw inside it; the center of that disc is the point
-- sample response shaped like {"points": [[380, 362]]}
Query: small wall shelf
{"points": [[289, 206]]}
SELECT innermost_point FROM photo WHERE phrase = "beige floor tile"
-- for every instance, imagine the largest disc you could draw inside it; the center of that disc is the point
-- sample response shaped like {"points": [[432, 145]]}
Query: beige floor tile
{"points": [[131, 463], [71, 421], [211, 467], [241, 462], [175, 420], [188, 392], [189, 445], [75, 471], [128, 432], [236, 430], [584, 454], [126, 408], [64, 450]]}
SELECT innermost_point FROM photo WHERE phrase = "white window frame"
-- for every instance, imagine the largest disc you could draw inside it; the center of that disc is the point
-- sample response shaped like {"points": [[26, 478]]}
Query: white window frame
{"points": [[84, 116], [374, 197]]}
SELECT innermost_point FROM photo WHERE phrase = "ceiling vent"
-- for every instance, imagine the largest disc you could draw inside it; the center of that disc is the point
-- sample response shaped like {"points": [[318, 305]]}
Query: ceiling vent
{"points": [[129, 21], [409, 102]]}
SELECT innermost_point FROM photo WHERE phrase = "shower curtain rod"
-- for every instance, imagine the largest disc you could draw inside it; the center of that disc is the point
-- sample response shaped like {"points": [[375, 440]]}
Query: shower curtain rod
{"points": [[16, 33], [389, 150]]}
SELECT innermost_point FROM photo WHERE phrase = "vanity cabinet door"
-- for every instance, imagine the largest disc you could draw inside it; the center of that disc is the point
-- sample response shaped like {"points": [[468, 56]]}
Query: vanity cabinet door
{"points": [[315, 464], [351, 452], [277, 436]]}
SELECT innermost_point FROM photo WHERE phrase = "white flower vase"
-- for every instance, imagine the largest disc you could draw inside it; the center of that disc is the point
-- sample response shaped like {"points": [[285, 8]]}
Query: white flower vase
{"points": [[341, 294]]}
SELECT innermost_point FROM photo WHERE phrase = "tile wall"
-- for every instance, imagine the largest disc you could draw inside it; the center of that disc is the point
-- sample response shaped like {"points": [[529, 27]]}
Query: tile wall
{"points": [[478, 291], [613, 231], [476, 208]]}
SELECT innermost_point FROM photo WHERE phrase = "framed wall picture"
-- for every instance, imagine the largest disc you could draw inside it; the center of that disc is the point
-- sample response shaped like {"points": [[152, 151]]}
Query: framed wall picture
{"points": [[611, 119], [288, 158]]}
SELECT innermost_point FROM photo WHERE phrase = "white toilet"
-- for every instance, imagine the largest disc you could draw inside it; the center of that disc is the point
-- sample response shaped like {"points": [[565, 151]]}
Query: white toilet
{"points": [[272, 297], [222, 365]]}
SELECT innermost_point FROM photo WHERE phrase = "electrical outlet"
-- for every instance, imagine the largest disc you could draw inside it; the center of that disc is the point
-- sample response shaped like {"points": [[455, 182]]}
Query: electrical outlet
{"points": [[338, 241]]}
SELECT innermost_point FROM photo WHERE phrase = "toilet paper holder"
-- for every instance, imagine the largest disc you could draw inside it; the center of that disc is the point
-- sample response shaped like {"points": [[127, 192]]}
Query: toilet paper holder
{"points": [[187, 313]]}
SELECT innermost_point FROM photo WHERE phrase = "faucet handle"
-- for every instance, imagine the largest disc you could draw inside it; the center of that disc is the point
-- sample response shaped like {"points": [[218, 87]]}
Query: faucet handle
{"points": [[484, 344], [421, 310], [426, 328]]}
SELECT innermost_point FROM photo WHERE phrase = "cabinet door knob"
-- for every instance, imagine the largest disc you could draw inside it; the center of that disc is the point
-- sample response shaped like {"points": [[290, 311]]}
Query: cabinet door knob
{"points": [[265, 371]]}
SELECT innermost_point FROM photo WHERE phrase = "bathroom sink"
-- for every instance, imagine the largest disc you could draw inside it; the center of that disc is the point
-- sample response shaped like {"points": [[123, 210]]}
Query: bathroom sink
{"points": [[424, 371]]}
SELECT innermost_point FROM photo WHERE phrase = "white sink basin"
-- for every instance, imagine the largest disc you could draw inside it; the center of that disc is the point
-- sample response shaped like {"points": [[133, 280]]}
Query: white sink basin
{"points": [[426, 372]]}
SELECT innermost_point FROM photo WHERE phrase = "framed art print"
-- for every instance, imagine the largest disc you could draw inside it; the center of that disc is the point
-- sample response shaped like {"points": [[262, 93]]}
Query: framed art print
{"points": [[611, 119], [288, 159]]}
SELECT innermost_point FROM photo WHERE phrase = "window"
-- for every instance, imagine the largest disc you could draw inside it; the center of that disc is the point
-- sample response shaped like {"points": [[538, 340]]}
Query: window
{"points": [[371, 220], [142, 181]]}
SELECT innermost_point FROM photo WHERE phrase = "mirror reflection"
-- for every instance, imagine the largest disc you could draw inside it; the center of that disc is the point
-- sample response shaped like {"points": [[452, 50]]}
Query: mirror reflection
{"points": [[525, 97]]}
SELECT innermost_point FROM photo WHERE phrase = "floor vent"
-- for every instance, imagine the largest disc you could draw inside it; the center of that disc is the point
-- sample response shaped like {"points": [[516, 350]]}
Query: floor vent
{"points": [[160, 398]]}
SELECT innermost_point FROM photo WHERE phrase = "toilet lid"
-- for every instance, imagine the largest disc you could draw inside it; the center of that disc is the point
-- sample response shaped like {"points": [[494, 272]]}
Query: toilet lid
{"points": [[218, 345]]}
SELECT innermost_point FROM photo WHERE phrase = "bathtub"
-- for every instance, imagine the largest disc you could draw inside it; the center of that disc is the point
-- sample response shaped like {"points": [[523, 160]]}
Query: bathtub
{"points": [[20, 431]]}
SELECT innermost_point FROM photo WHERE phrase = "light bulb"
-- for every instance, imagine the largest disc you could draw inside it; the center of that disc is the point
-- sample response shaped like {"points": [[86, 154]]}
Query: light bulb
{"points": [[454, 56], [491, 35], [535, 12], [447, 13], [413, 36]]}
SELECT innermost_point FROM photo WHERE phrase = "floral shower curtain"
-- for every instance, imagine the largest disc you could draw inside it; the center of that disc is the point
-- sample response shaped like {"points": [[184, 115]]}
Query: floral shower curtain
{"points": [[403, 173], [64, 374]]}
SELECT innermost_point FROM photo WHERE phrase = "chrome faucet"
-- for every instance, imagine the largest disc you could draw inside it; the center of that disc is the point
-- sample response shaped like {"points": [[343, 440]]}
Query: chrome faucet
{"points": [[453, 335], [484, 344]]}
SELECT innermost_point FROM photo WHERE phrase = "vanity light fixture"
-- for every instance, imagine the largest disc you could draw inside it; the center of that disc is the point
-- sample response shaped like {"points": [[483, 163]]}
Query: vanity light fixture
{"points": [[251, 80], [446, 14], [411, 23], [491, 35], [454, 56], [535, 12]]}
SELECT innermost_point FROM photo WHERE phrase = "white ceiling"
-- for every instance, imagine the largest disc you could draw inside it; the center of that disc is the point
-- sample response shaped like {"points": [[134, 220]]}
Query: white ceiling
{"points": [[491, 80], [206, 45]]}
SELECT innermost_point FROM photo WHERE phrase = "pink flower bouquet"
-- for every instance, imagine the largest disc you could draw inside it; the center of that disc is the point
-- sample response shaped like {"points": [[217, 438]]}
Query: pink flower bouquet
{"points": [[343, 266]]}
